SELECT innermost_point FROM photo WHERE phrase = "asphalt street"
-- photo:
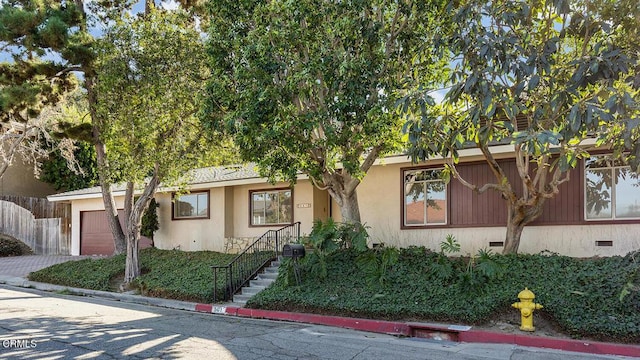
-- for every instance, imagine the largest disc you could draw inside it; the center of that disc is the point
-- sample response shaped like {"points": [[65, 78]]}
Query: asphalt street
{"points": [[41, 325]]}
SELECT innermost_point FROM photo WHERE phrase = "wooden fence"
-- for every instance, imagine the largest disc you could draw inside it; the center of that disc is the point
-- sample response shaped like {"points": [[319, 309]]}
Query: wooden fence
{"points": [[44, 226]]}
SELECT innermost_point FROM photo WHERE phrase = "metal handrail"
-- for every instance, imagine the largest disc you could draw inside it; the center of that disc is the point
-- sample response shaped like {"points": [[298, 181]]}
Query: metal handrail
{"points": [[249, 262]]}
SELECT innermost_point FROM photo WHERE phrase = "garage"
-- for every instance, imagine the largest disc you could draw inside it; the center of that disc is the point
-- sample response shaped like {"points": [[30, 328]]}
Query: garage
{"points": [[95, 235]]}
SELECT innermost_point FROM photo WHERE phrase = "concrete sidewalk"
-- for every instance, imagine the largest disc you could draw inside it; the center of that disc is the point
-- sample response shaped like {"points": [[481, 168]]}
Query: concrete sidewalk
{"points": [[421, 330]]}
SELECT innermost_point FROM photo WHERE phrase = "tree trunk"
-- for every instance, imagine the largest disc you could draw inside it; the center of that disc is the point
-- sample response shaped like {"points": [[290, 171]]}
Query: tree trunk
{"points": [[514, 231], [349, 208], [134, 224], [120, 242], [518, 217], [132, 265]]}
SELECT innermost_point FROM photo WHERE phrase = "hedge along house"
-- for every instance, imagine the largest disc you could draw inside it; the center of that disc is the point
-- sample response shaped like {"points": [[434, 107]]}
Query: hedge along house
{"points": [[596, 213]]}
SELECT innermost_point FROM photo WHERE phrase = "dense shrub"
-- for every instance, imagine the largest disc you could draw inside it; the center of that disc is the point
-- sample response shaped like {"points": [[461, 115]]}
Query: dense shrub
{"points": [[582, 295], [13, 247]]}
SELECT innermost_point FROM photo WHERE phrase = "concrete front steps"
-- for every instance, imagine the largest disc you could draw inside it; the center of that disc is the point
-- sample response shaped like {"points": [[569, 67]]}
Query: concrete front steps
{"points": [[261, 282]]}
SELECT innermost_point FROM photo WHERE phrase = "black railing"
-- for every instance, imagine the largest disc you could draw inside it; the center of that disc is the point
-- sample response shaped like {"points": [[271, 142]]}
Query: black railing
{"points": [[247, 264]]}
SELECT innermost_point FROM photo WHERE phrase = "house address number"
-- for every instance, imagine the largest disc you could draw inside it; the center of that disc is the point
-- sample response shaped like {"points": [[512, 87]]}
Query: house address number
{"points": [[303, 205]]}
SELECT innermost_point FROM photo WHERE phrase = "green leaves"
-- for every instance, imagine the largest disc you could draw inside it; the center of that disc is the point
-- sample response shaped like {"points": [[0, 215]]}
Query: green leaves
{"points": [[422, 285], [151, 73], [169, 274], [308, 87]]}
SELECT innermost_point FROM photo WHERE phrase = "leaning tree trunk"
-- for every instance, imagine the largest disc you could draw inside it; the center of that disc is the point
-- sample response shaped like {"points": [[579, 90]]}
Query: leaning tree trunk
{"points": [[101, 159]]}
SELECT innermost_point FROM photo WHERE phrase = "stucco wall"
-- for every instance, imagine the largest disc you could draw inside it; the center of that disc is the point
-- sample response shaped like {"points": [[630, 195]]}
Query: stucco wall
{"points": [[192, 234]]}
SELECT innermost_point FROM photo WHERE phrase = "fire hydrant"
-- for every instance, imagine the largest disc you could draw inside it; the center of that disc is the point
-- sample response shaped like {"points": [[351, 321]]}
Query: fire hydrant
{"points": [[526, 306]]}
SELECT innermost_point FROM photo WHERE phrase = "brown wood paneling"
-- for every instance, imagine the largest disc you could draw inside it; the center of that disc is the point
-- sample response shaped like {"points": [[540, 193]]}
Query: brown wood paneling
{"points": [[490, 209], [95, 235]]}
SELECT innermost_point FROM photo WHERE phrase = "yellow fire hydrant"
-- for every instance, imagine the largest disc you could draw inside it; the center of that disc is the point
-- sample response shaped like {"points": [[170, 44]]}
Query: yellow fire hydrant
{"points": [[526, 306]]}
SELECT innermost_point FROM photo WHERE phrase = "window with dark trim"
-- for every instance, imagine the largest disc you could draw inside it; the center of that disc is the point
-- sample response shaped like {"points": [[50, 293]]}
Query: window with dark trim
{"points": [[425, 197], [191, 206], [612, 190], [271, 207]]}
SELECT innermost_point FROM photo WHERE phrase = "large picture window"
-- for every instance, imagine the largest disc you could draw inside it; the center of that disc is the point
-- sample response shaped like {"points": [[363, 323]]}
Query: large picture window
{"points": [[425, 198], [191, 206], [271, 207], [612, 190]]}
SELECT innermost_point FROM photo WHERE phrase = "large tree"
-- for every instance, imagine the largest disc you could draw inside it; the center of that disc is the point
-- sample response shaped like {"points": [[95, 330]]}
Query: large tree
{"points": [[309, 85], [32, 29], [63, 31], [543, 76], [151, 74]]}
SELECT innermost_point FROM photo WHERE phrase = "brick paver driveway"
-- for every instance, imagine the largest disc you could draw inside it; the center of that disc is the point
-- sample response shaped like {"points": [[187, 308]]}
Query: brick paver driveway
{"points": [[21, 266]]}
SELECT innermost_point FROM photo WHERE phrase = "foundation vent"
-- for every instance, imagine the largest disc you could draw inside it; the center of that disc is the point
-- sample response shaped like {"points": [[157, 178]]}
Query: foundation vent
{"points": [[604, 243], [496, 243]]}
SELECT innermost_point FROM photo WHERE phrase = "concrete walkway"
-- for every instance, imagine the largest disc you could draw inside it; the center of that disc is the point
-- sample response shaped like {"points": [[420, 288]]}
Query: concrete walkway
{"points": [[21, 266]]}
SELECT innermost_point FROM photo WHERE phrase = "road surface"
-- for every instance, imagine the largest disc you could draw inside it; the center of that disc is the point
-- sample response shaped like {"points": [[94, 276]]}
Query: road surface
{"points": [[40, 325]]}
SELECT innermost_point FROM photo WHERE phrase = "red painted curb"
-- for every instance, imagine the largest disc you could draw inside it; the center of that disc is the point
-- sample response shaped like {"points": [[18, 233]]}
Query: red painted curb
{"points": [[378, 326], [405, 329], [204, 307], [584, 346]]}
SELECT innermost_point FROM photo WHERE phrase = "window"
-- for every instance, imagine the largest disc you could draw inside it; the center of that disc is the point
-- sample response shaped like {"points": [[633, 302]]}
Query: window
{"points": [[271, 207], [612, 191], [191, 206], [425, 198]]}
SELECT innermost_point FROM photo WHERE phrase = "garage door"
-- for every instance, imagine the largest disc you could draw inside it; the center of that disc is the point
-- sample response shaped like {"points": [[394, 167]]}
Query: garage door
{"points": [[95, 235]]}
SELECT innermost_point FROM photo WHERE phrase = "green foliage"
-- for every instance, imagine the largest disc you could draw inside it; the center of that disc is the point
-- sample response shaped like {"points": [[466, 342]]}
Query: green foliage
{"points": [[170, 274], [94, 274], [541, 76], [633, 279], [450, 245], [181, 275], [13, 247], [304, 87], [378, 263], [152, 116], [29, 30], [150, 222], [581, 295], [328, 237], [480, 270], [56, 170]]}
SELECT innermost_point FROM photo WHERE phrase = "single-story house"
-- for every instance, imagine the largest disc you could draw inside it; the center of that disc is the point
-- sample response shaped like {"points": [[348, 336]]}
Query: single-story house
{"points": [[402, 204]]}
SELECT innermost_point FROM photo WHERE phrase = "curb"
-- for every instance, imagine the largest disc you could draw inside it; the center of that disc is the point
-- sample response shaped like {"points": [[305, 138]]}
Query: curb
{"points": [[409, 329], [432, 331]]}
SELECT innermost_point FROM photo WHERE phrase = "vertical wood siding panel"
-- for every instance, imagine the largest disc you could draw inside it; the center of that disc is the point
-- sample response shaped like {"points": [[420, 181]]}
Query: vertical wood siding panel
{"points": [[490, 209]]}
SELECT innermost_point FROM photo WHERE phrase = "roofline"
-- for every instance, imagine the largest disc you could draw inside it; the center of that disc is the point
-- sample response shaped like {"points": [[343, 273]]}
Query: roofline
{"points": [[472, 154], [198, 186]]}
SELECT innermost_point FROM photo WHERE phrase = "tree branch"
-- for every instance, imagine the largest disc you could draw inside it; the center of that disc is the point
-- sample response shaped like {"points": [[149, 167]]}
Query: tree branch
{"points": [[471, 186]]}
